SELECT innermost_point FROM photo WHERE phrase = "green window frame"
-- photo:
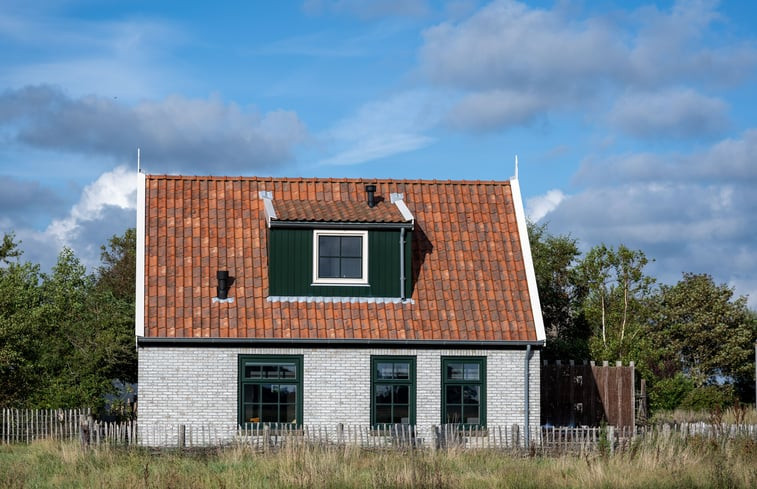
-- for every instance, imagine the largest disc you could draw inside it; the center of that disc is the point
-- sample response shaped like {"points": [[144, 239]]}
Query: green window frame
{"points": [[392, 390], [270, 390], [464, 391]]}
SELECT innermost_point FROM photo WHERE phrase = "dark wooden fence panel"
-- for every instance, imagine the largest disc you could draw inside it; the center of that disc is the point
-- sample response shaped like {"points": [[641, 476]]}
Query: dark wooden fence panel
{"points": [[586, 394]]}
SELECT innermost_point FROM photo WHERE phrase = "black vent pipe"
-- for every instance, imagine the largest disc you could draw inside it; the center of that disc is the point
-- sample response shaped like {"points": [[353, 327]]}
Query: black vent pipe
{"points": [[223, 283], [370, 190]]}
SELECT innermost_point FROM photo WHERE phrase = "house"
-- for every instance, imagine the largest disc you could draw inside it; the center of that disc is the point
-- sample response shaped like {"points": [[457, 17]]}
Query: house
{"points": [[323, 301]]}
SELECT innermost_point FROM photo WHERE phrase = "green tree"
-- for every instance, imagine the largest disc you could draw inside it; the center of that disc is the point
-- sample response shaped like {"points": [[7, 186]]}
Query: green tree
{"points": [[20, 299], [705, 330], [119, 262], [560, 294], [9, 248], [615, 305]]}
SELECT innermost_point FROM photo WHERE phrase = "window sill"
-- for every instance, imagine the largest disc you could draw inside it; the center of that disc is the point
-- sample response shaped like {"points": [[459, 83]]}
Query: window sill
{"points": [[339, 284]]}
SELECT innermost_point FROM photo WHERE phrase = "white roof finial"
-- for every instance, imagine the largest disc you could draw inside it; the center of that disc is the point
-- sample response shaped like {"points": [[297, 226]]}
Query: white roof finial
{"points": [[516, 168]]}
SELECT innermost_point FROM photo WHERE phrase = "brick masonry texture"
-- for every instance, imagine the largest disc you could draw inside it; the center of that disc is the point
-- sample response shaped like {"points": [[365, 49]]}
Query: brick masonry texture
{"points": [[468, 267], [198, 386]]}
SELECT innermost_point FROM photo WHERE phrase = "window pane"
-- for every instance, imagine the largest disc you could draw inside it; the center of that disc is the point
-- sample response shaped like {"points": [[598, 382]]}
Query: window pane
{"points": [[270, 413], [455, 371], [384, 371], [270, 371], [270, 393], [470, 415], [401, 370], [251, 393], [352, 246], [352, 268], [454, 414], [288, 413], [471, 371], [288, 371], [471, 394], [252, 414], [252, 371], [383, 414], [401, 394], [401, 414], [383, 394], [454, 394], [328, 245], [288, 393], [328, 267]]}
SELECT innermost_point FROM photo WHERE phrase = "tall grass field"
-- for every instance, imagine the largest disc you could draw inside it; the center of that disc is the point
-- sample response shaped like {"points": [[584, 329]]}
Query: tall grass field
{"points": [[649, 463]]}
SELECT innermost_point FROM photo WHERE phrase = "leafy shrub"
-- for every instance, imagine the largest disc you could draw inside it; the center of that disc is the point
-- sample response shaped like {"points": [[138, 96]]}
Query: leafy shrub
{"points": [[709, 397], [668, 394]]}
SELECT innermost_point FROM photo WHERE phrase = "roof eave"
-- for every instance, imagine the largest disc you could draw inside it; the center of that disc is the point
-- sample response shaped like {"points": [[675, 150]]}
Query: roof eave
{"points": [[340, 225]]}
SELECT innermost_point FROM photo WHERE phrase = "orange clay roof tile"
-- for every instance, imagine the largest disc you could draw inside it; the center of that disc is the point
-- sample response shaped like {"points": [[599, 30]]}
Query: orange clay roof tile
{"points": [[470, 281]]}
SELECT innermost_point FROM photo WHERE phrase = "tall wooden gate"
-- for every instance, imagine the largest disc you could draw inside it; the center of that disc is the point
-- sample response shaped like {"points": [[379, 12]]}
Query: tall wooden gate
{"points": [[587, 394]]}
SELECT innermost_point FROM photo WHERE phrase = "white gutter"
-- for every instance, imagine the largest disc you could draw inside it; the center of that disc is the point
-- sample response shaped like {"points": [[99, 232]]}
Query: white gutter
{"points": [[139, 318], [528, 262]]}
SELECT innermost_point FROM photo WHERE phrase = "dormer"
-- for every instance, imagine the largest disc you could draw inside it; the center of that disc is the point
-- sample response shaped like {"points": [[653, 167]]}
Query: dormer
{"points": [[339, 249]]}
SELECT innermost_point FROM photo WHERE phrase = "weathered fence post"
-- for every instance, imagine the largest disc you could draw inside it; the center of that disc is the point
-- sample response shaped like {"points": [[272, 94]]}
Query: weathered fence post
{"points": [[516, 436], [182, 436], [84, 431]]}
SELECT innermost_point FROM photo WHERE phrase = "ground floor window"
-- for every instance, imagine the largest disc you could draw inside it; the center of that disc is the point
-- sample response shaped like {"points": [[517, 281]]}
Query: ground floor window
{"points": [[464, 391], [270, 389], [392, 390]]}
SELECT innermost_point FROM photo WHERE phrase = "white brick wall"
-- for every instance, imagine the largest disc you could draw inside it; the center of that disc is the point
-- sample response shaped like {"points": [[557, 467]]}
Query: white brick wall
{"points": [[196, 386]]}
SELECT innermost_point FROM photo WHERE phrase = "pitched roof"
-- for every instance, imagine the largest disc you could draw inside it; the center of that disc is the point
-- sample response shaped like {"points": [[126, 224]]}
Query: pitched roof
{"points": [[315, 211], [469, 268]]}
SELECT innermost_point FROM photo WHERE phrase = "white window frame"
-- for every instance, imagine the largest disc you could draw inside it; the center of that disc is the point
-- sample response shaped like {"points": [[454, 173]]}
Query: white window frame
{"points": [[340, 281]]}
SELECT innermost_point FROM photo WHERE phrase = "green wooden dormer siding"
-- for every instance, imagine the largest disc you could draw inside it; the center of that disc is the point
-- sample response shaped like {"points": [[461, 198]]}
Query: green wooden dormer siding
{"points": [[290, 265]]}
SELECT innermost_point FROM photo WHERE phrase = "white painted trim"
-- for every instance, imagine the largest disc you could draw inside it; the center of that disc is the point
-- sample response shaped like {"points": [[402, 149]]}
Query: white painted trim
{"points": [[139, 319], [528, 262], [405, 211], [270, 211], [340, 281]]}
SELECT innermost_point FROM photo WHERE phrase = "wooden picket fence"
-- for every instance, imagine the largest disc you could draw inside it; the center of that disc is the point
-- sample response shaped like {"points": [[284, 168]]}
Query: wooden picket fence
{"points": [[26, 426]]}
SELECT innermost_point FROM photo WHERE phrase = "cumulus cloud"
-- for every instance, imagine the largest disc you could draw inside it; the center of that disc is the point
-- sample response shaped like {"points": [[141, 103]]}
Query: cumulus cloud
{"points": [[670, 114], [116, 189], [174, 133], [691, 212], [729, 160], [513, 63], [105, 207], [541, 205]]}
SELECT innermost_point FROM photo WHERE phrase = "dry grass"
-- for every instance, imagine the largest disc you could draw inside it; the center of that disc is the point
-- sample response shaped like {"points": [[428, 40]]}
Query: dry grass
{"points": [[656, 463], [732, 415]]}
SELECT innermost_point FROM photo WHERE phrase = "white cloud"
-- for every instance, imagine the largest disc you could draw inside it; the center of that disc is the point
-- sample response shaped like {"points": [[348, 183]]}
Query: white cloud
{"points": [[691, 212], [541, 205], [116, 188], [670, 114], [383, 128], [513, 63]]}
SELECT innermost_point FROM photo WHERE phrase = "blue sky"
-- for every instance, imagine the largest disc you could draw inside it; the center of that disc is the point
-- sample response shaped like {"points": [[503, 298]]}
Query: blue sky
{"points": [[634, 122]]}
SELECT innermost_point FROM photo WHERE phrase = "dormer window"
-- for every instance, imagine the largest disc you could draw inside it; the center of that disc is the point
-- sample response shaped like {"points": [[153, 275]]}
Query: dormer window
{"points": [[340, 257]]}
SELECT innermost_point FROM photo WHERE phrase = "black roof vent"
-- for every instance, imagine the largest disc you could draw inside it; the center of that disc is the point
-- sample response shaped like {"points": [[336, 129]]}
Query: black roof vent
{"points": [[371, 190]]}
